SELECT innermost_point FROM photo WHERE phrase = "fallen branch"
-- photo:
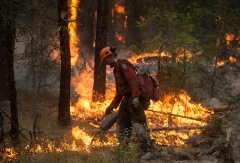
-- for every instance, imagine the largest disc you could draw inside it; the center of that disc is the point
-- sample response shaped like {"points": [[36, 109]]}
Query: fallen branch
{"points": [[9, 118], [176, 128], [35, 126], [223, 108], [176, 115]]}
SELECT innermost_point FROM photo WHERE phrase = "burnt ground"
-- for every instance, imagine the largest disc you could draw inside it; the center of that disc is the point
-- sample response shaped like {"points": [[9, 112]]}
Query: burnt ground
{"points": [[219, 143]]}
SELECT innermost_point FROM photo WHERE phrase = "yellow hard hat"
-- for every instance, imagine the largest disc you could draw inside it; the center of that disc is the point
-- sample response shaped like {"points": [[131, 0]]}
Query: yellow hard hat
{"points": [[104, 53]]}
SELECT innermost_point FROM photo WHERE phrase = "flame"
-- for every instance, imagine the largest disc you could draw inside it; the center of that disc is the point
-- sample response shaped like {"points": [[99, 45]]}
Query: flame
{"points": [[142, 57], [181, 55], [119, 36], [125, 21], [55, 55], [119, 9], [73, 37], [135, 58], [232, 59], [229, 37], [160, 114], [180, 104], [113, 15], [142, 18], [9, 154], [79, 134], [220, 63]]}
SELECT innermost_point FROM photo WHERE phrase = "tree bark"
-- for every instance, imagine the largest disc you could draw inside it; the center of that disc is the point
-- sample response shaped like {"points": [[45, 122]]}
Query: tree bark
{"points": [[10, 42], [224, 108], [134, 11], [64, 96], [4, 85], [99, 86], [86, 12]]}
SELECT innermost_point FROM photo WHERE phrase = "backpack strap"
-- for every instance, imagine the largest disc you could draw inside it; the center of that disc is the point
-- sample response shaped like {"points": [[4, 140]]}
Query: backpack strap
{"points": [[130, 64]]}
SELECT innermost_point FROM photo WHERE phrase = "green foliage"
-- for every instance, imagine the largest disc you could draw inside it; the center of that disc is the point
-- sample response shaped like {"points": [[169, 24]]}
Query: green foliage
{"points": [[38, 28], [198, 27], [170, 30]]}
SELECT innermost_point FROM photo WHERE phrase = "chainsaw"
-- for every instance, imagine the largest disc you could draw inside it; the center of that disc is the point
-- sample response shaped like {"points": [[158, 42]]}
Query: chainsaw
{"points": [[106, 124]]}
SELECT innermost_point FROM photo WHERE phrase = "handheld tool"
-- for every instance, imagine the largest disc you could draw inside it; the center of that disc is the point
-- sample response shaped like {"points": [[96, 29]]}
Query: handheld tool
{"points": [[106, 123]]}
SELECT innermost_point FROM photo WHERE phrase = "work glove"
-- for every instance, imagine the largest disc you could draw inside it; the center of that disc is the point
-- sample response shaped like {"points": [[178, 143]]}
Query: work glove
{"points": [[135, 102], [108, 110]]}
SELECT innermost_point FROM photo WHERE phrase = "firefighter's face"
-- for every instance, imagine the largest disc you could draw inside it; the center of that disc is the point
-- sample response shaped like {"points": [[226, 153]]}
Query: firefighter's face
{"points": [[109, 60]]}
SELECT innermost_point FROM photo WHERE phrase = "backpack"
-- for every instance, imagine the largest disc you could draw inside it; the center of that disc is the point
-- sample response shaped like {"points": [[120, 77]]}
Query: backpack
{"points": [[148, 85]]}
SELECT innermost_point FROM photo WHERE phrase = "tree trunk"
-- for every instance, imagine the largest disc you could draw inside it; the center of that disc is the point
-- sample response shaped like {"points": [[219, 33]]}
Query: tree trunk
{"points": [[4, 85], [99, 86], [64, 96], [86, 30], [119, 22], [134, 11], [10, 42]]}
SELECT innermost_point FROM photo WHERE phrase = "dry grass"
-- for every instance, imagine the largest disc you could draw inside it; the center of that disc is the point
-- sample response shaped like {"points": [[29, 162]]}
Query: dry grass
{"points": [[45, 106]]}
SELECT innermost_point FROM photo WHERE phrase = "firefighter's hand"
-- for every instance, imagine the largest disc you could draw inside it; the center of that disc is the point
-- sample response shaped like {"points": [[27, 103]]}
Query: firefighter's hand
{"points": [[108, 110], [135, 102]]}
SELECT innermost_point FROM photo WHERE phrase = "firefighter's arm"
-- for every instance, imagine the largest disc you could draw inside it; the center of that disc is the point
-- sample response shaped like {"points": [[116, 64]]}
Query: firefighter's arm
{"points": [[115, 102]]}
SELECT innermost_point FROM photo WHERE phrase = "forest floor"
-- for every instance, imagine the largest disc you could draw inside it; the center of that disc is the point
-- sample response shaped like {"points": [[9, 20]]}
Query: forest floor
{"points": [[219, 143]]}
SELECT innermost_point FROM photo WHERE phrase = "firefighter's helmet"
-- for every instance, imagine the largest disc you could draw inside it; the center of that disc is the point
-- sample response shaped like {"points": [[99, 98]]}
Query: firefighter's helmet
{"points": [[105, 52]]}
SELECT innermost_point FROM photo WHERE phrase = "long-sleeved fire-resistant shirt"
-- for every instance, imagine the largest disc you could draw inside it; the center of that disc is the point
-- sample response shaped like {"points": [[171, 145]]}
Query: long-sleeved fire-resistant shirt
{"points": [[126, 81]]}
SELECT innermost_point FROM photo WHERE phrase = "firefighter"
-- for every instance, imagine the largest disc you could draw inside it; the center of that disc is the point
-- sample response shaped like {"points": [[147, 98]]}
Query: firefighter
{"points": [[131, 110]]}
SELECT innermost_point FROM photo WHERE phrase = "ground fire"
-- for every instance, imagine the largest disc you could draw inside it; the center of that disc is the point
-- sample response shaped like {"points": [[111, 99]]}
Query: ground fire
{"points": [[178, 103]]}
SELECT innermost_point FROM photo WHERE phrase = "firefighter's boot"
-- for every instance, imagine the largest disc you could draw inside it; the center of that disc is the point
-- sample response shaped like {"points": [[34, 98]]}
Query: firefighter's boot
{"points": [[143, 137], [124, 136]]}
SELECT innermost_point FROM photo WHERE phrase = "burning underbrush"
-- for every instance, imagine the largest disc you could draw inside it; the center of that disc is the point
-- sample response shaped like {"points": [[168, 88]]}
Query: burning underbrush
{"points": [[166, 120], [172, 111], [175, 110]]}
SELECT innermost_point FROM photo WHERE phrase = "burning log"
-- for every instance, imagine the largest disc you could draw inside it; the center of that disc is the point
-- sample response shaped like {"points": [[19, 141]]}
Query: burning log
{"points": [[176, 128], [176, 115], [223, 108]]}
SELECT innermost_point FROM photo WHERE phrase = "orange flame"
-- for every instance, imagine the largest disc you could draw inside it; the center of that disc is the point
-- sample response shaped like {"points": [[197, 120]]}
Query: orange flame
{"points": [[229, 38], [87, 111], [9, 154], [73, 36], [232, 59], [79, 134], [119, 9], [134, 58], [119, 37], [142, 18], [112, 16], [180, 104], [125, 22], [220, 63]]}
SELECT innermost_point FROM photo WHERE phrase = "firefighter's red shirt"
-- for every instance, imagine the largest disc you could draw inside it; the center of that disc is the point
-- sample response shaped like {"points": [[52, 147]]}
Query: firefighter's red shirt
{"points": [[126, 81]]}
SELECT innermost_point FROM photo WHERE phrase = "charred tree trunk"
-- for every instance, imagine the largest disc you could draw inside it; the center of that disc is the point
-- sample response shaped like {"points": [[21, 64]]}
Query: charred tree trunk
{"points": [[134, 11], [119, 22], [86, 30], [64, 96], [10, 42], [4, 85], [99, 86]]}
